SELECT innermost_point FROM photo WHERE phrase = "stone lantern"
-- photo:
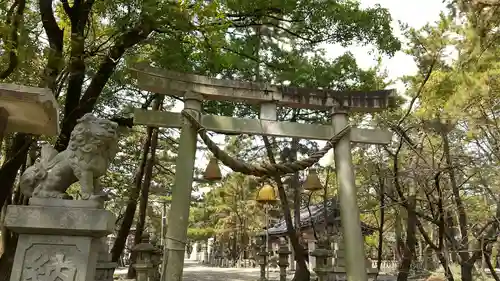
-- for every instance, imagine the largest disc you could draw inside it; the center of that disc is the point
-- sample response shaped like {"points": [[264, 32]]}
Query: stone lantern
{"points": [[283, 254], [263, 259], [156, 260], [144, 263], [322, 253]]}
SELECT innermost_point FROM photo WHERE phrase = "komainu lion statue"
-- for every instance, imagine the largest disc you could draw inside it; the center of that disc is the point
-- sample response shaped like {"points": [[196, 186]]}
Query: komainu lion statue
{"points": [[92, 145]]}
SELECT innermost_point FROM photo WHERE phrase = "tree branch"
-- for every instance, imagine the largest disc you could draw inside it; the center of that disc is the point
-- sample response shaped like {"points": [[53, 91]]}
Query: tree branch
{"points": [[66, 7], [55, 36], [12, 43], [127, 40], [78, 15]]}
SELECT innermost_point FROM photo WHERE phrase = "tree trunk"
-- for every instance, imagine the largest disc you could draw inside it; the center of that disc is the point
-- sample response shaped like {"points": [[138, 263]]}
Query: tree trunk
{"points": [[466, 266], [295, 185], [398, 231], [128, 216], [301, 272], [411, 240], [146, 183], [123, 42], [381, 183], [15, 157], [487, 249], [444, 263], [9, 251]]}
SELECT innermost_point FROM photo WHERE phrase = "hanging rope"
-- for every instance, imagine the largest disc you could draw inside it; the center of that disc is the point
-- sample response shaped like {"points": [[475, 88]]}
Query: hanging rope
{"points": [[262, 169]]}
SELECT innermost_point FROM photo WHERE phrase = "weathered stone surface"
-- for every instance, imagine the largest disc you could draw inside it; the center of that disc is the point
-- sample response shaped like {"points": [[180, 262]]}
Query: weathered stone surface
{"points": [[174, 83], [31, 110], [224, 124], [54, 258], [52, 202], [92, 145], [59, 221], [57, 243], [105, 271], [105, 267]]}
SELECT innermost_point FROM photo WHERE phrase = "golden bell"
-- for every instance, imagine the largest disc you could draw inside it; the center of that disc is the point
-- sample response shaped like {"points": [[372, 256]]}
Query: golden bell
{"points": [[266, 195], [312, 182], [212, 172]]}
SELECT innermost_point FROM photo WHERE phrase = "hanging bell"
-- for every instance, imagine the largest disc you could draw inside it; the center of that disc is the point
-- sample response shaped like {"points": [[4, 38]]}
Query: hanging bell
{"points": [[312, 182], [266, 195], [212, 172]]}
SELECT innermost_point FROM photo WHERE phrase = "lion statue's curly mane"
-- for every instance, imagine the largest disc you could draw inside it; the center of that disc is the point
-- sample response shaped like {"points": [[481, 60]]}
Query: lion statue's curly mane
{"points": [[92, 145]]}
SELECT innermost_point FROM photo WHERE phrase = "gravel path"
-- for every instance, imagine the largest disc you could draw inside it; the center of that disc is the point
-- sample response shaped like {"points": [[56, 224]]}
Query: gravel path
{"points": [[193, 271], [197, 272]]}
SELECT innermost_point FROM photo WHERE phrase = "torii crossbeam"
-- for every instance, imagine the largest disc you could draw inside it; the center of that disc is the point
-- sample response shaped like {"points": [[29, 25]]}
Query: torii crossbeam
{"points": [[195, 89]]}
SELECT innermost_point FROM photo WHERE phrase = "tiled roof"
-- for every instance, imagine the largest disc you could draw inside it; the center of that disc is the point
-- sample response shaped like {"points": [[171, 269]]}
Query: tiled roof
{"points": [[315, 214]]}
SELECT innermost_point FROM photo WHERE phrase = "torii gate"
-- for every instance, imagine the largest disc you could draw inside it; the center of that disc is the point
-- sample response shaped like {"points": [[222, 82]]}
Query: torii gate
{"points": [[195, 89]]}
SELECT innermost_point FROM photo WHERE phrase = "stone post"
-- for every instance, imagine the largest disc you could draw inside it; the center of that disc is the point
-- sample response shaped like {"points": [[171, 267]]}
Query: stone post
{"points": [[199, 251], [105, 267], [291, 258], [58, 239], [339, 270], [370, 270], [283, 253], [339, 255], [144, 263], [263, 254], [322, 253], [311, 246], [194, 251], [210, 250], [204, 250], [217, 255]]}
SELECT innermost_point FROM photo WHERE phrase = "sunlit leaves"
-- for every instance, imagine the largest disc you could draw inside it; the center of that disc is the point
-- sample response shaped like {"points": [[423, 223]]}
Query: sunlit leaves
{"points": [[228, 208]]}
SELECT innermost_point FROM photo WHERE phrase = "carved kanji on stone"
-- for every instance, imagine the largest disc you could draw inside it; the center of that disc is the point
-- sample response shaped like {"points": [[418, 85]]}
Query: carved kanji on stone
{"points": [[36, 268], [49, 268]]}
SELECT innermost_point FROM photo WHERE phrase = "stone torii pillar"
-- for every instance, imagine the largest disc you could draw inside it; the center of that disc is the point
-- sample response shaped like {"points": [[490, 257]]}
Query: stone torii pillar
{"points": [[195, 89], [349, 211]]}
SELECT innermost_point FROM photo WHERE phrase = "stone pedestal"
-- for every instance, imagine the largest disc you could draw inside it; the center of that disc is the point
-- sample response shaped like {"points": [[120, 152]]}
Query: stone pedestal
{"points": [[58, 239], [210, 250], [204, 252], [339, 264], [263, 260], [195, 252], [339, 256], [283, 263], [322, 254], [291, 257], [105, 271], [311, 246]]}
